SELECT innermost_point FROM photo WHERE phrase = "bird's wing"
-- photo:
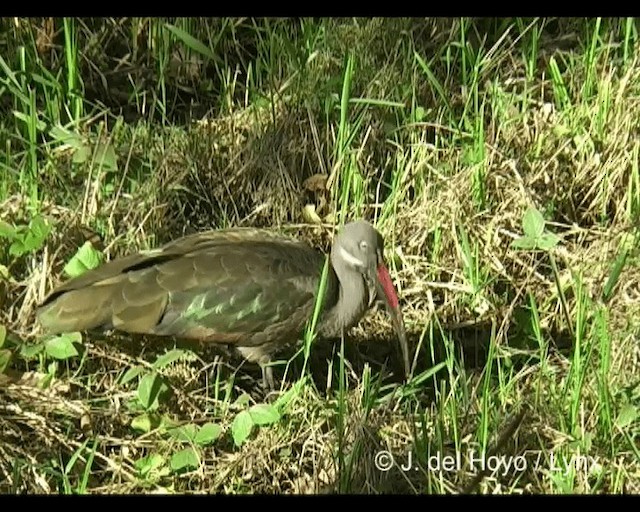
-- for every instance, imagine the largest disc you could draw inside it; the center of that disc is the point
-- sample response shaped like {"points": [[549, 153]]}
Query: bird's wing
{"points": [[213, 286]]}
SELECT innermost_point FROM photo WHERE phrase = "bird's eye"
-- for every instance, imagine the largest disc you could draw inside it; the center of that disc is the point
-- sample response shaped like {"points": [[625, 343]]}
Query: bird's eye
{"points": [[364, 246]]}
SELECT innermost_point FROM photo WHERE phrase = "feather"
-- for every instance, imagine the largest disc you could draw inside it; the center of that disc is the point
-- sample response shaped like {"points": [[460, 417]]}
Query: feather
{"points": [[219, 286]]}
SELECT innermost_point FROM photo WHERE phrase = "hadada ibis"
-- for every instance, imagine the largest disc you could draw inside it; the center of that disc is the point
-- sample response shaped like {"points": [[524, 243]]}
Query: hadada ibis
{"points": [[247, 288]]}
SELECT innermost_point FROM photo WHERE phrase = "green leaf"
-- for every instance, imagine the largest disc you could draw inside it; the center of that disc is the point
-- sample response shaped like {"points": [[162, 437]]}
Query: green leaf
{"points": [[3, 335], [286, 398], [144, 422], [31, 243], [167, 423], [81, 154], [171, 356], [39, 228], [264, 414], [17, 248], [12, 80], [62, 347], [5, 359], [7, 230], [207, 434], [184, 459], [150, 389], [30, 351], [548, 241], [131, 374], [64, 136], [524, 242], [47, 379], [612, 280], [533, 223], [241, 427], [627, 416], [242, 400], [185, 433], [191, 41], [106, 156], [147, 464], [29, 238], [561, 131], [40, 125], [85, 258]]}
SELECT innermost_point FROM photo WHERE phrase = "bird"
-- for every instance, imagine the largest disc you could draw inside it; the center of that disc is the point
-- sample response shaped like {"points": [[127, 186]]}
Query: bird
{"points": [[250, 289]]}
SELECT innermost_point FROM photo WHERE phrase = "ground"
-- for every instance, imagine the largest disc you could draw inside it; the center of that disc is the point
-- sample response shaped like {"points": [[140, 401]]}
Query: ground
{"points": [[498, 158]]}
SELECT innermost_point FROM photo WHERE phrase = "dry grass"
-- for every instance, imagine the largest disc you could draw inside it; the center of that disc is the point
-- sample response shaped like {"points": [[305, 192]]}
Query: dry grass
{"points": [[249, 168]]}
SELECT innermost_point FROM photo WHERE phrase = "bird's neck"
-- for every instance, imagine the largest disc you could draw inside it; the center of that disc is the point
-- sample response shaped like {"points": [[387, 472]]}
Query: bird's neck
{"points": [[350, 304]]}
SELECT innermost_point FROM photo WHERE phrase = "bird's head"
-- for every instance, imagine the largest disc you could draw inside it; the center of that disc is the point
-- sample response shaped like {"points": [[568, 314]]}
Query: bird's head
{"points": [[360, 246]]}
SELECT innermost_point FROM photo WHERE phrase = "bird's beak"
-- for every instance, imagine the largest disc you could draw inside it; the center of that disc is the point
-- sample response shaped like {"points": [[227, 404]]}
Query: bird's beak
{"points": [[386, 290]]}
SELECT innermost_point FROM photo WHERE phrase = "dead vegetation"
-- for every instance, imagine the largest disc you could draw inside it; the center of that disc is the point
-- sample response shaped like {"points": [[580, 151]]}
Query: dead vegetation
{"points": [[250, 166]]}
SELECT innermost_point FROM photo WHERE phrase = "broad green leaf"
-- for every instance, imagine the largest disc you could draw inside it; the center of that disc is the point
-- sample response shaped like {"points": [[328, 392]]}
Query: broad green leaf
{"points": [[241, 427], [85, 258], [150, 389], [31, 242], [524, 242], [184, 459], [207, 434], [63, 346], [185, 433], [30, 351], [31, 238], [548, 241], [147, 464], [533, 223], [39, 228], [18, 248], [7, 230], [627, 416], [5, 359], [264, 414], [131, 374], [142, 423], [146, 422], [81, 154], [106, 156], [61, 134], [167, 423], [3, 335], [242, 400]]}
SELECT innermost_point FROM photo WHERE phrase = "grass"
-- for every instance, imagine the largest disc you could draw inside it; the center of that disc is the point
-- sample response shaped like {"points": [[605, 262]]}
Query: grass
{"points": [[498, 159]]}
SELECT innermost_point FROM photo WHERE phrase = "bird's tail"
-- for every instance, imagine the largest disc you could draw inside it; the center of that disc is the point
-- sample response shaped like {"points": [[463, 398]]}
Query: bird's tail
{"points": [[77, 310]]}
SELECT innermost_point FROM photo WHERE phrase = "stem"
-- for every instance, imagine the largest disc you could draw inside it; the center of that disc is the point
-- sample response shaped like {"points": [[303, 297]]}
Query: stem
{"points": [[563, 300]]}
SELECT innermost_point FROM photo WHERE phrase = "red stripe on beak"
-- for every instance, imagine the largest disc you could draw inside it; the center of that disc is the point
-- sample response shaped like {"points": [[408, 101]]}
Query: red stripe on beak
{"points": [[387, 286], [393, 305]]}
